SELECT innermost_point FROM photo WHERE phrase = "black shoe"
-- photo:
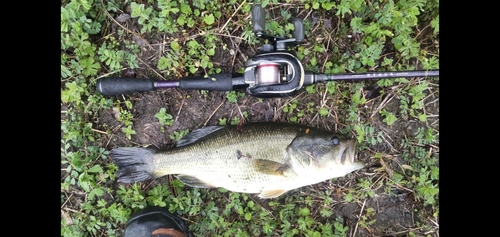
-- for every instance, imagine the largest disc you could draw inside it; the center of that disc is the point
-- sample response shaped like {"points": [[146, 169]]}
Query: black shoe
{"points": [[155, 222]]}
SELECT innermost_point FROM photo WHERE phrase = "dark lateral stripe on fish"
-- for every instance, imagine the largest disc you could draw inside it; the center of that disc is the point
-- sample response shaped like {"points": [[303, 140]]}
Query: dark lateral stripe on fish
{"points": [[133, 164]]}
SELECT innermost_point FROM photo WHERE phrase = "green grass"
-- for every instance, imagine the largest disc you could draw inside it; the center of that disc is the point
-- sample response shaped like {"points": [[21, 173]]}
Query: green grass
{"points": [[344, 36]]}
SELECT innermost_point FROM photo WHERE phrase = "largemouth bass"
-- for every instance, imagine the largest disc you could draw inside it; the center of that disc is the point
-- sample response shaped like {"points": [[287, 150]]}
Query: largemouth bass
{"points": [[265, 158]]}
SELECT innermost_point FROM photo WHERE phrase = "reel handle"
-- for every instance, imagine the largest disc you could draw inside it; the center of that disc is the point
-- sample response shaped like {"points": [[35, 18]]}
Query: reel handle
{"points": [[298, 32], [258, 19]]}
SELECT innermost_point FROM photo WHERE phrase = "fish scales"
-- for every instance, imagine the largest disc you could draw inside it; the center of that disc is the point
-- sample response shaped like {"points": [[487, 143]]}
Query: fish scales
{"points": [[233, 151]]}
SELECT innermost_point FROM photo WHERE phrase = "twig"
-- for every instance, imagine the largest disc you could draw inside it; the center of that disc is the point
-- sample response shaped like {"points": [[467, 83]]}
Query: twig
{"points": [[434, 222], [109, 140], [116, 22], [323, 102], [162, 48], [70, 196], [228, 20], [239, 110], [237, 46], [162, 45], [109, 73], [382, 104], [71, 210], [432, 101], [429, 95], [193, 222], [180, 107], [150, 68], [229, 36], [235, 53], [337, 122], [434, 123], [387, 169], [327, 56], [399, 185], [193, 36], [309, 13], [405, 231], [360, 213], [420, 31], [385, 140], [211, 115], [289, 100], [99, 131]]}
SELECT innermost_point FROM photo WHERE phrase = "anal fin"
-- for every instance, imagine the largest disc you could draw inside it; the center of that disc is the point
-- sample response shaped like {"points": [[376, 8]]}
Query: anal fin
{"points": [[193, 181], [271, 193]]}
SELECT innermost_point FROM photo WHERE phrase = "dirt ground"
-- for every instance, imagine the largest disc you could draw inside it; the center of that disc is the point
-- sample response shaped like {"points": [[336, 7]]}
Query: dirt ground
{"points": [[397, 214]]}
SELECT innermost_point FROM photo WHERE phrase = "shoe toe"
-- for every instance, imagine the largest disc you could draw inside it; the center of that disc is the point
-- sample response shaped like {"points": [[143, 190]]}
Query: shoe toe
{"points": [[146, 221]]}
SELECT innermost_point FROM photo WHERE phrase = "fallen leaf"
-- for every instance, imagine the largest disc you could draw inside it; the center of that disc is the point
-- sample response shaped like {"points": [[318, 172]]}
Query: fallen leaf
{"points": [[67, 218], [407, 167], [140, 41], [328, 23], [122, 17], [388, 170], [128, 73]]}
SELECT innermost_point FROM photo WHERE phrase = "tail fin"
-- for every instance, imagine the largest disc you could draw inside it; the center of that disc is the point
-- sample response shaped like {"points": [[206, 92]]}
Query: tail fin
{"points": [[134, 164]]}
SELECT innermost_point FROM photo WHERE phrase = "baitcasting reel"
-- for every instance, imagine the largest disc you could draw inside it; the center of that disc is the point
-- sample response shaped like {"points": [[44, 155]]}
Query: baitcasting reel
{"points": [[272, 72]]}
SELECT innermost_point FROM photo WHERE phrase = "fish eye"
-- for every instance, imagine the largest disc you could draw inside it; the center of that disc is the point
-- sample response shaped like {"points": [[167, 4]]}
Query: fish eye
{"points": [[335, 140]]}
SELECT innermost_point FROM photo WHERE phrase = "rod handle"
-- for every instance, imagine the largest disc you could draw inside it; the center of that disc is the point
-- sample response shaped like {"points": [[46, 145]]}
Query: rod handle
{"points": [[213, 82], [124, 85]]}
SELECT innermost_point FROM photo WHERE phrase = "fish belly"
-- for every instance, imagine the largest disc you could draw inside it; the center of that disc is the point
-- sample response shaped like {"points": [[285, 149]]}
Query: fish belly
{"points": [[229, 165]]}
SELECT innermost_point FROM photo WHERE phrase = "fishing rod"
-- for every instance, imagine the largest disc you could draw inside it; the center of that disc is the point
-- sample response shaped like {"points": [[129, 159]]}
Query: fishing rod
{"points": [[272, 72]]}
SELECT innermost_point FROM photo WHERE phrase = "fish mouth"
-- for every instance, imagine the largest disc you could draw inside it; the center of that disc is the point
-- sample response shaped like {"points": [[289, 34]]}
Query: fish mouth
{"points": [[347, 153]]}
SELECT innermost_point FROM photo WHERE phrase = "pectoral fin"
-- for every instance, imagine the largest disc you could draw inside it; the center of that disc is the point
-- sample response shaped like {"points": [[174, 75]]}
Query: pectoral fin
{"points": [[270, 167], [271, 193], [194, 182]]}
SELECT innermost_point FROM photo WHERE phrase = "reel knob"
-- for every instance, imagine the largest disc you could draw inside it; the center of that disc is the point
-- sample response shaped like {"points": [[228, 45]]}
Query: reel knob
{"points": [[258, 19]]}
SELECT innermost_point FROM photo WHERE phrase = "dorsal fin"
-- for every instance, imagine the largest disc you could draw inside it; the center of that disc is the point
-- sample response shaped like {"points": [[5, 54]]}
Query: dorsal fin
{"points": [[196, 134]]}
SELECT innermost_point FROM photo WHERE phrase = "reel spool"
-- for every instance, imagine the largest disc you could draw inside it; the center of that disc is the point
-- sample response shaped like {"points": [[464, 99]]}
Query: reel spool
{"points": [[267, 73]]}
